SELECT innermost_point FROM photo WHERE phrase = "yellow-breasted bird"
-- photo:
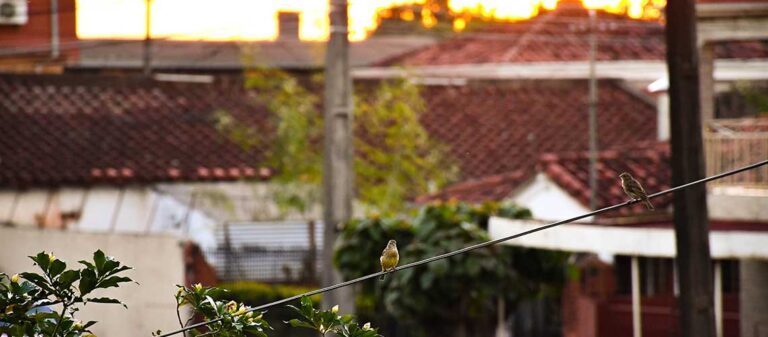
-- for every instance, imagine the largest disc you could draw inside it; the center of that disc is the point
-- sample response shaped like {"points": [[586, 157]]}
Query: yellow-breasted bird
{"points": [[389, 258], [633, 189]]}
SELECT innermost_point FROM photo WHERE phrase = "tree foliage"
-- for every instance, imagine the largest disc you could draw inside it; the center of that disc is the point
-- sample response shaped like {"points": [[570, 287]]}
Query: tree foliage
{"points": [[234, 319], [329, 321], [395, 159], [454, 294]]}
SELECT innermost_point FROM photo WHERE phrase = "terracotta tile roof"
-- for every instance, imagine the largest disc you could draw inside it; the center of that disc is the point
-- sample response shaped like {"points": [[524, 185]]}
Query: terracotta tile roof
{"points": [[495, 127], [494, 187], [648, 162], [60, 130], [562, 35]]}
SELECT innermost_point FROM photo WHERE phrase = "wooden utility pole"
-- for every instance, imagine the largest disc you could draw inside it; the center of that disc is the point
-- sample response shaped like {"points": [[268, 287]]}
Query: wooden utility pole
{"points": [[55, 38], [593, 188], [690, 205], [337, 159], [147, 61]]}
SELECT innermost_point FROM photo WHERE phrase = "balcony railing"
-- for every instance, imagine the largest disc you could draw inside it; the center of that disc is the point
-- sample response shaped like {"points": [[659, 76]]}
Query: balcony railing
{"points": [[729, 150]]}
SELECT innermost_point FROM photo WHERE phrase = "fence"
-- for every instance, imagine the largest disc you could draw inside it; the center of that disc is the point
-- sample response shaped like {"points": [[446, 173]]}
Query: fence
{"points": [[726, 151], [278, 252]]}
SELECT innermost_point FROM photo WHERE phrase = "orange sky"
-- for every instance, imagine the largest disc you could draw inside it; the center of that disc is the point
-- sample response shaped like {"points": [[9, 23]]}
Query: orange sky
{"points": [[257, 19]]}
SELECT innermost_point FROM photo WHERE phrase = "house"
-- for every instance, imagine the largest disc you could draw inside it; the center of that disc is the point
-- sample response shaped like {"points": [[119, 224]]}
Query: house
{"points": [[627, 275], [599, 303], [107, 153], [556, 45], [126, 143], [562, 179], [45, 30], [44, 40], [131, 165]]}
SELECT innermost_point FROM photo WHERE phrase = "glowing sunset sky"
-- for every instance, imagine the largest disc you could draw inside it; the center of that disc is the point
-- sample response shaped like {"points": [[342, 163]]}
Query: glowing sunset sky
{"points": [[257, 19]]}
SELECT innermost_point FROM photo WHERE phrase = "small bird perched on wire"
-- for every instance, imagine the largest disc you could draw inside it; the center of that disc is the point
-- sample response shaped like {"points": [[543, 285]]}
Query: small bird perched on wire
{"points": [[389, 258], [634, 190]]}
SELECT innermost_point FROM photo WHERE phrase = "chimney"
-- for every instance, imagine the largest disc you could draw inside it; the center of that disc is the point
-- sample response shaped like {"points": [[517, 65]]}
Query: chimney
{"points": [[288, 25]]}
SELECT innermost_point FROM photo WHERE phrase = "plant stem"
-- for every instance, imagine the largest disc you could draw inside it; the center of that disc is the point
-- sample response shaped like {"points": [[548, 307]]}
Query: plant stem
{"points": [[61, 318], [178, 315]]}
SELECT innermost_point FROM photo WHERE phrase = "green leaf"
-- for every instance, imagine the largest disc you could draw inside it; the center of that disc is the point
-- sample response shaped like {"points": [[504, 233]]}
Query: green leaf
{"points": [[56, 267], [87, 264], [106, 300], [42, 260], [305, 302], [109, 265], [113, 281], [37, 280], [25, 287], [99, 259], [298, 311], [87, 281], [118, 270], [68, 277], [300, 324]]}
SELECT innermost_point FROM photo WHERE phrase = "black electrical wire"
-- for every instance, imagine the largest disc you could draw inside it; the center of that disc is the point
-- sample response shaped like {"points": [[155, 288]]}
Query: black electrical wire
{"points": [[477, 246]]}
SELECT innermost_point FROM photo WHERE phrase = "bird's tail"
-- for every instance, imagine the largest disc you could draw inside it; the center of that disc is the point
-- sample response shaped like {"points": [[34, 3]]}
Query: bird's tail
{"points": [[382, 277], [648, 203]]}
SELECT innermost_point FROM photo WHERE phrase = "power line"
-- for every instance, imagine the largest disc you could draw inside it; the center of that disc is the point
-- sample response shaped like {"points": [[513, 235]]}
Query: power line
{"points": [[477, 246]]}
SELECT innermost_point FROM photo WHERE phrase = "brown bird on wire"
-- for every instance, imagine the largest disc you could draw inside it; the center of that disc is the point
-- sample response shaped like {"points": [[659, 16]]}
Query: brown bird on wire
{"points": [[389, 258], [634, 190]]}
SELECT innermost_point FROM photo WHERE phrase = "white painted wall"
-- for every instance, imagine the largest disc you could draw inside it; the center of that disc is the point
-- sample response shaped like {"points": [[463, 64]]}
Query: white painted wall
{"points": [[547, 201], [662, 116], [738, 203], [615, 240], [158, 267]]}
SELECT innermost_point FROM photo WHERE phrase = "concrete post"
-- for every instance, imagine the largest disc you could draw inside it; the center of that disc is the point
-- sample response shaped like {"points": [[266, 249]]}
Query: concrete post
{"points": [[637, 329], [753, 297]]}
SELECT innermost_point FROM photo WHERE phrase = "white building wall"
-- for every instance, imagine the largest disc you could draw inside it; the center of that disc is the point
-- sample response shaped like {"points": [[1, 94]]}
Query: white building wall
{"points": [[738, 203], [547, 201]]}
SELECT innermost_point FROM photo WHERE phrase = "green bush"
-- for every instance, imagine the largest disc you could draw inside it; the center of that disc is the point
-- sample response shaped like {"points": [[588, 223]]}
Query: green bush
{"points": [[450, 297]]}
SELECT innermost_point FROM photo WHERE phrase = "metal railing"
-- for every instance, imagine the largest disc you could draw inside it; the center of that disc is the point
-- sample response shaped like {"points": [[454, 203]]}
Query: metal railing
{"points": [[726, 151]]}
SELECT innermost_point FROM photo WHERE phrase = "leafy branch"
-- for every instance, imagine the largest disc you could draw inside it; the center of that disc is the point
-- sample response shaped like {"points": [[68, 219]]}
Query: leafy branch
{"points": [[25, 298], [329, 321], [230, 318]]}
